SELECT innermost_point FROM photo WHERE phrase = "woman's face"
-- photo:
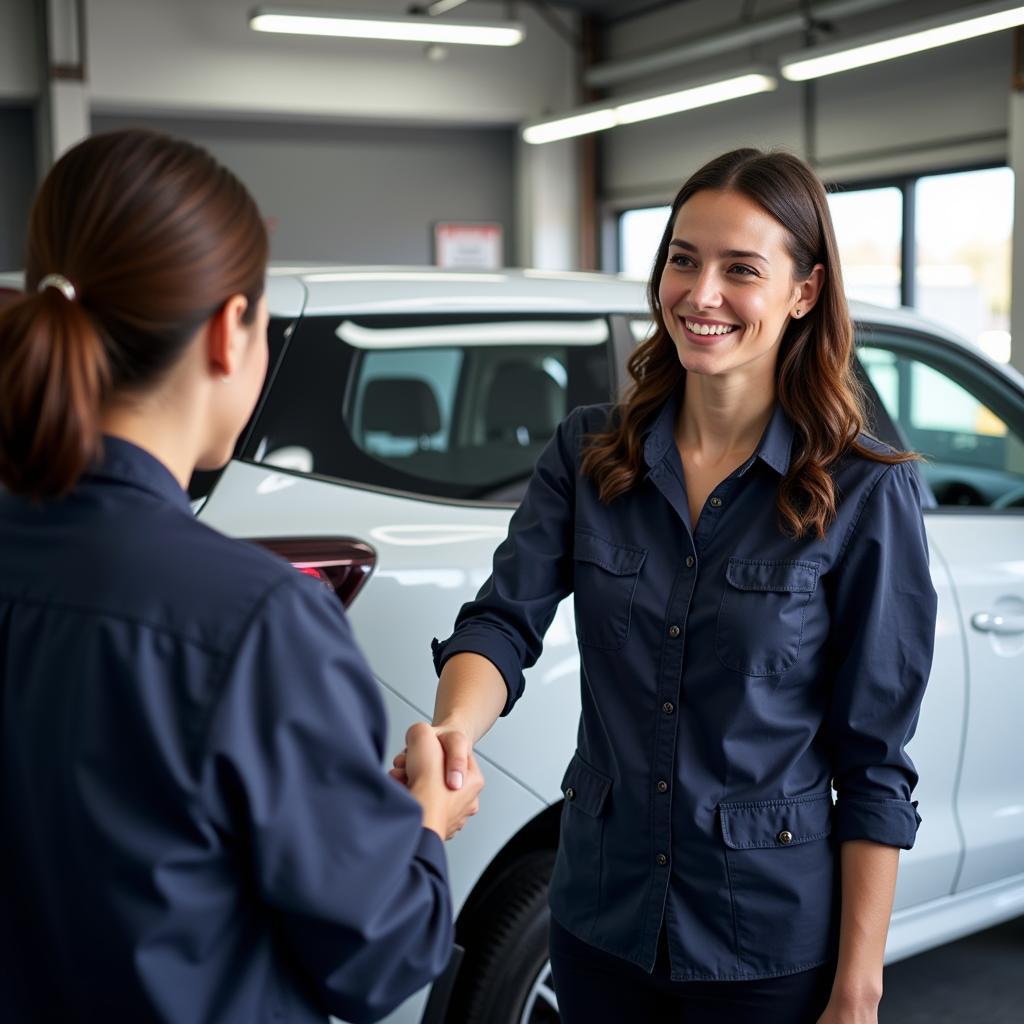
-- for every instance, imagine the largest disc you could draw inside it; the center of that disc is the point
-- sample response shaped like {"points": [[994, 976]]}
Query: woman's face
{"points": [[728, 290]]}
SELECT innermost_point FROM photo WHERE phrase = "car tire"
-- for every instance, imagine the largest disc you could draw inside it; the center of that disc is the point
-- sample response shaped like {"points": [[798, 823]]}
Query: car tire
{"points": [[505, 975]]}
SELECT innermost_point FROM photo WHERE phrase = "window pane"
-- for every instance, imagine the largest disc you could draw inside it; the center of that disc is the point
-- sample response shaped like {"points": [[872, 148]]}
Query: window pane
{"points": [[964, 224], [639, 234], [880, 366], [869, 230]]}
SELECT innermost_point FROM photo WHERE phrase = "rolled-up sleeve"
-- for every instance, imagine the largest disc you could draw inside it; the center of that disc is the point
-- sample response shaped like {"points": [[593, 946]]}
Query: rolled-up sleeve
{"points": [[883, 608], [336, 848], [531, 574]]}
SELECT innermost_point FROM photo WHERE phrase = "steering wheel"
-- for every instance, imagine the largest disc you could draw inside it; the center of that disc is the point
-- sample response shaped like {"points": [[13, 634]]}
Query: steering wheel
{"points": [[1013, 498]]}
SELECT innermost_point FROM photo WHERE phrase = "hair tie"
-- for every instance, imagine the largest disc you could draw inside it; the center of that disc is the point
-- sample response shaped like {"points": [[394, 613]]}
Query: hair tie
{"points": [[61, 283]]}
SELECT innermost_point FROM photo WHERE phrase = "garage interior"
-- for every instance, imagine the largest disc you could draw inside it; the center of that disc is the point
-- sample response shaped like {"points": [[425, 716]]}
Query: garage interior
{"points": [[376, 153]]}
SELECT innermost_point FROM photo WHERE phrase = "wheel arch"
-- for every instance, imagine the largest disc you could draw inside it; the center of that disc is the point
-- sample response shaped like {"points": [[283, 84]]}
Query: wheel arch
{"points": [[540, 833]]}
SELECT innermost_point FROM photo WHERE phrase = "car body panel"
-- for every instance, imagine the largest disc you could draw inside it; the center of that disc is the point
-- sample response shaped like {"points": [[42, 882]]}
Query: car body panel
{"points": [[986, 558]]}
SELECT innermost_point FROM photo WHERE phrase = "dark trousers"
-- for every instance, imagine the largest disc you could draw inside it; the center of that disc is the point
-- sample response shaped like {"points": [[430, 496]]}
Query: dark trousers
{"points": [[594, 987]]}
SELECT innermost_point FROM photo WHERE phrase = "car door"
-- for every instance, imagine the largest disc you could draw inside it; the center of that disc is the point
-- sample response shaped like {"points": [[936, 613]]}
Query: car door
{"points": [[968, 419]]}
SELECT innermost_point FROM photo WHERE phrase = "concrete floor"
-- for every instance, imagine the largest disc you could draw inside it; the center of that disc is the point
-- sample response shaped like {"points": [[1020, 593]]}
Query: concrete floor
{"points": [[977, 980]]}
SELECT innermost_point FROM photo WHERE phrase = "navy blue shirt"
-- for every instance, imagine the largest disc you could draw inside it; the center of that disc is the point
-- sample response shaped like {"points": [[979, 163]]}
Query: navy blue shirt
{"points": [[730, 676], [196, 823]]}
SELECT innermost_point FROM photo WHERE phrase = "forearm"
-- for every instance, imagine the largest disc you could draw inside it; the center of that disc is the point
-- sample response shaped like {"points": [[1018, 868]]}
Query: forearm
{"points": [[470, 694], [868, 885]]}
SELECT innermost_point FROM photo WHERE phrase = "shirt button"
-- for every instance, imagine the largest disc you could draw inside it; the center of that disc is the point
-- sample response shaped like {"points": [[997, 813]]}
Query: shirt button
{"points": [[673, 631], [570, 794], [785, 837], [661, 859], [668, 707], [662, 786], [689, 561], [716, 502]]}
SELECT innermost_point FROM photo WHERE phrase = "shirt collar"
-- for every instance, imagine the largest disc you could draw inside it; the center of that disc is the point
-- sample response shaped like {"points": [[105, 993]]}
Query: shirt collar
{"points": [[127, 463], [774, 449]]}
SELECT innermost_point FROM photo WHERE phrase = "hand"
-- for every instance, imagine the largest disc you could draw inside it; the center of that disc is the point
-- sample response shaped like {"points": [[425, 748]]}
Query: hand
{"points": [[444, 810], [457, 752]]}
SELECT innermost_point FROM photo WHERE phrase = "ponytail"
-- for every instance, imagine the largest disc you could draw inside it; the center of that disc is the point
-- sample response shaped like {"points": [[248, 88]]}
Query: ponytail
{"points": [[154, 236], [54, 375]]}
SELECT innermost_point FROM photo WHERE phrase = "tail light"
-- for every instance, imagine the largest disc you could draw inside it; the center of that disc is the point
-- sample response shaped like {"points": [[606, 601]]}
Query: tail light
{"points": [[339, 563]]}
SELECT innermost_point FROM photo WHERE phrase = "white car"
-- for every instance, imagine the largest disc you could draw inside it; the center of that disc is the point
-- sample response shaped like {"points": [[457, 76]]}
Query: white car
{"points": [[403, 412]]}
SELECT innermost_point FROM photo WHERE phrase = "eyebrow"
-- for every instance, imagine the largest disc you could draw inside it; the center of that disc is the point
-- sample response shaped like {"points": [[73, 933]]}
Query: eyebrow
{"points": [[733, 254]]}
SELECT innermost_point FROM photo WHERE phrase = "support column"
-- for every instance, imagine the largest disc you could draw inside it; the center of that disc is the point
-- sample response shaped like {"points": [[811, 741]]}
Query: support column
{"points": [[63, 113], [547, 206]]}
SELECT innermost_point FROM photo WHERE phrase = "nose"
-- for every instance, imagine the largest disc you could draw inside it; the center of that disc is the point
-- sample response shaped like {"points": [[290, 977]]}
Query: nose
{"points": [[705, 292]]}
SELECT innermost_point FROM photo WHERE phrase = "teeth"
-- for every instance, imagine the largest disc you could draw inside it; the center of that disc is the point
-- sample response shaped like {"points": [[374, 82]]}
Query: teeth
{"points": [[704, 329]]}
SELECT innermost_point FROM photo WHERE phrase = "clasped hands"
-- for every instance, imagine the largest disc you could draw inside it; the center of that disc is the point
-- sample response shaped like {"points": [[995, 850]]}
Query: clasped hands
{"points": [[438, 768]]}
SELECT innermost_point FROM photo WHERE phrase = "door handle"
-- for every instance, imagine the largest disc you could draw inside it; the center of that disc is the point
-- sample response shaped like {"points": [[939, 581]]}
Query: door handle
{"points": [[1001, 625]]}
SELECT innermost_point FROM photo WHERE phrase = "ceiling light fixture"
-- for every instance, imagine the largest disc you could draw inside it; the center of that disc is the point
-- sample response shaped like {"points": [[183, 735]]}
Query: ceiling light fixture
{"points": [[600, 117], [942, 30], [442, 7], [412, 30]]}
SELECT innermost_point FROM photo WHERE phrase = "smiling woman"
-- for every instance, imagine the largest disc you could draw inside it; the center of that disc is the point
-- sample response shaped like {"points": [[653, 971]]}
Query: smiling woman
{"points": [[747, 282], [737, 666]]}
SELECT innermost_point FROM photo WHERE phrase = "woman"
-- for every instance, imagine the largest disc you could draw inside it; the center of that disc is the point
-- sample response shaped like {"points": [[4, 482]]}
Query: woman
{"points": [[196, 824], [755, 617]]}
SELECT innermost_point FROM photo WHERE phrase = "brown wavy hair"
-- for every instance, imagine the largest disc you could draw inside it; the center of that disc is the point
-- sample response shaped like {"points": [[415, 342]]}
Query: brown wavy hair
{"points": [[155, 237], [815, 379]]}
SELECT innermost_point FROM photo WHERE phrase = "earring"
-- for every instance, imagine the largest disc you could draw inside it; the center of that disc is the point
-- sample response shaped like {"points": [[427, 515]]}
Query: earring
{"points": [[796, 312]]}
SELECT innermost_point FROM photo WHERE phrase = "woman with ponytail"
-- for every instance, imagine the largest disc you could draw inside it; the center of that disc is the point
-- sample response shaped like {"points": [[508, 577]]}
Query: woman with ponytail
{"points": [[196, 826], [755, 618]]}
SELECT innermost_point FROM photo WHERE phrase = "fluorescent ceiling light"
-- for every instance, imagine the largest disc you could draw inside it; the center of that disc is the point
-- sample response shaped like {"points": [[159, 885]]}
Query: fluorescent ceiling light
{"points": [[413, 29], [443, 7], [567, 127], [628, 111], [953, 27], [690, 99]]}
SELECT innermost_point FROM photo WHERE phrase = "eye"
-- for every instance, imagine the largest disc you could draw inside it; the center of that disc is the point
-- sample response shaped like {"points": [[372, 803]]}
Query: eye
{"points": [[680, 259], [743, 270]]}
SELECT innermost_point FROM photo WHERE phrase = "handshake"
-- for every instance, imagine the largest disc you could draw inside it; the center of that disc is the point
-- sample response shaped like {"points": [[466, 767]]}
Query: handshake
{"points": [[438, 768]]}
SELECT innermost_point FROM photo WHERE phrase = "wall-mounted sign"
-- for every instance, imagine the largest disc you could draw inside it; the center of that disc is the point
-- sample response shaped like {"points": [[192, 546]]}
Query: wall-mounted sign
{"points": [[468, 246]]}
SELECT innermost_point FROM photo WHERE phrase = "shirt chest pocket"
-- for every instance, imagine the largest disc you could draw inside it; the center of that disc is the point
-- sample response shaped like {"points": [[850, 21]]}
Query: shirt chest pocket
{"points": [[605, 575], [761, 617]]}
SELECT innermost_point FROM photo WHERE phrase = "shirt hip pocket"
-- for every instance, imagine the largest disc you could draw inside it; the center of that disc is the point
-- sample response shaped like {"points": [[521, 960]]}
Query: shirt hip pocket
{"points": [[782, 878], [576, 884], [761, 617], [605, 575]]}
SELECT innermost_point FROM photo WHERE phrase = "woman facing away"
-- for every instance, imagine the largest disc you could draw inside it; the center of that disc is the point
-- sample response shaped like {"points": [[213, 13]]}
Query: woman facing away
{"points": [[196, 824], [755, 618]]}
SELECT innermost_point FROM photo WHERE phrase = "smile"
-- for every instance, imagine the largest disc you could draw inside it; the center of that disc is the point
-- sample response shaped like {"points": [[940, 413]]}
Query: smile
{"points": [[696, 328]]}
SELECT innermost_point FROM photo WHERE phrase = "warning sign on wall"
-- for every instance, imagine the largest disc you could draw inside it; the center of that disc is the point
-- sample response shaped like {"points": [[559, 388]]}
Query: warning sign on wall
{"points": [[468, 246]]}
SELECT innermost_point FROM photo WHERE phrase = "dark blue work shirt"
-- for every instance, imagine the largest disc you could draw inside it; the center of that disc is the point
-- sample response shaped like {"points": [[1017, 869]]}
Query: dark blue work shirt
{"points": [[729, 673], [197, 827]]}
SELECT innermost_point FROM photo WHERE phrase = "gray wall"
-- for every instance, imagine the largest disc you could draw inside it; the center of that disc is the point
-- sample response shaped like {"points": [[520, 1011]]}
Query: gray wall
{"points": [[17, 182], [358, 193]]}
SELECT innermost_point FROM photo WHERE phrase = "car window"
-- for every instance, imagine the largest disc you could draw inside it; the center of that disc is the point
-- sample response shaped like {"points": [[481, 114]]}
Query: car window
{"points": [[455, 406], [958, 413]]}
